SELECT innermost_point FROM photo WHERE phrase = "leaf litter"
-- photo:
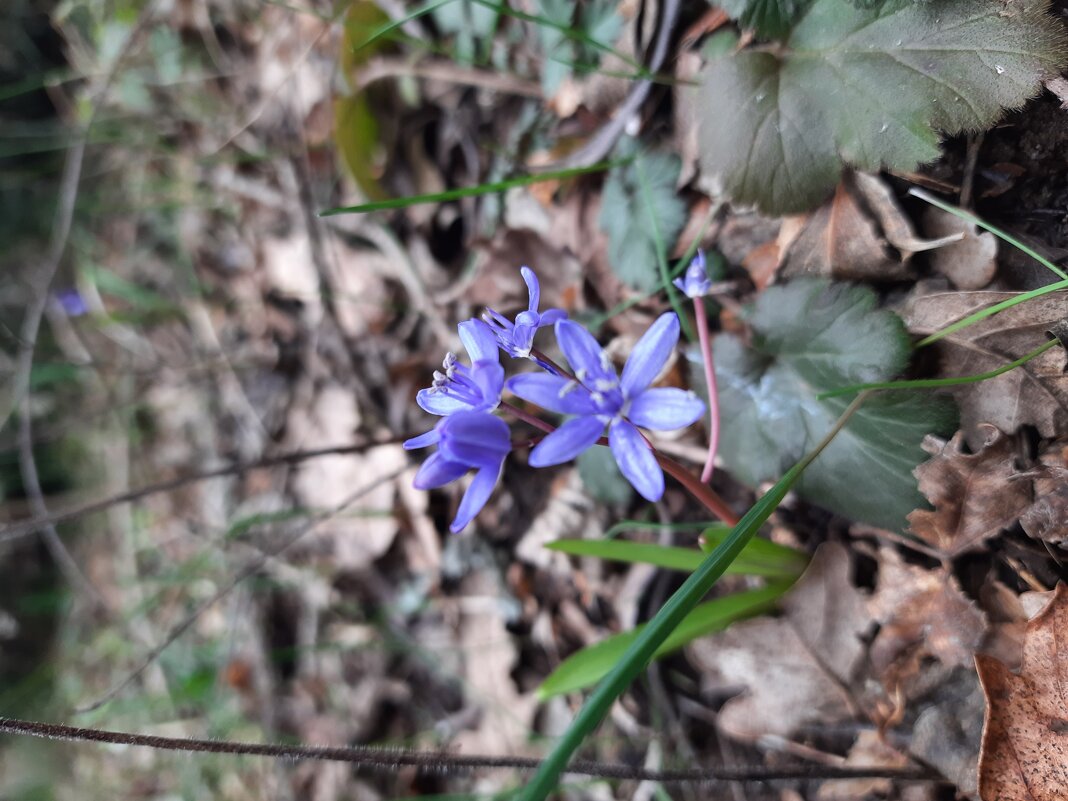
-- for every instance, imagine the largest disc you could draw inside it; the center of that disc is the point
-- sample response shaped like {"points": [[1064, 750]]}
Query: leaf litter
{"points": [[380, 629]]}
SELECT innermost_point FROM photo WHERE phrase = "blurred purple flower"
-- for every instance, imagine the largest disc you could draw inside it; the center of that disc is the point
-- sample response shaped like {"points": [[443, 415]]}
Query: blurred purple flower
{"points": [[599, 397], [517, 339], [464, 389], [466, 441], [695, 283], [71, 302]]}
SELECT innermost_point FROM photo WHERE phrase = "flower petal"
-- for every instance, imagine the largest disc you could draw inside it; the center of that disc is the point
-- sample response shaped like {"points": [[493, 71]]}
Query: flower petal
{"points": [[437, 471], [440, 403], [489, 376], [422, 441], [551, 317], [636, 460], [532, 287], [585, 356], [649, 355], [567, 442], [476, 439], [476, 496], [665, 409], [552, 392], [479, 340]]}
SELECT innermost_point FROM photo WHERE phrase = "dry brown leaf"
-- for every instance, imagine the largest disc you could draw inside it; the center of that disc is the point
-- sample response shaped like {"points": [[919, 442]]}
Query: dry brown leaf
{"points": [[860, 234], [795, 668], [896, 225], [363, 533], [973, 494], [1024, 755], [922, 613], [868, 751], [1033, 394], [1047, 517], [968, 264], [841, 240]]}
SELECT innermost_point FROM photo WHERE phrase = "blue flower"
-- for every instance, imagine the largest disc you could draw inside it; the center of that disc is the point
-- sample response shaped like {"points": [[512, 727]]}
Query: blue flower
{"points": [[71, 302], [695, 283], [597, 397], [517, 339], [462, 389], [466, 441]]}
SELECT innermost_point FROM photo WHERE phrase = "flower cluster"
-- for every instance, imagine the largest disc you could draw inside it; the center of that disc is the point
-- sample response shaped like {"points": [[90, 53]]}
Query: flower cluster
{"points": [[594, 396]]}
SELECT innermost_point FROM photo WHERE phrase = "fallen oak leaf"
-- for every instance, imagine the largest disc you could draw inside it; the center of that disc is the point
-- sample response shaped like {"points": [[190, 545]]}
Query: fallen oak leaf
{"points": [[1024, 754], [973, 494], [921, 613], [797, 669], [1035, 393]]}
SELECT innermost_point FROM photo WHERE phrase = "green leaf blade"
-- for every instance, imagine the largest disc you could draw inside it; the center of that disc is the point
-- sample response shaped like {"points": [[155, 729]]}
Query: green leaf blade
{"points": [[591, 664], [756, 559]]}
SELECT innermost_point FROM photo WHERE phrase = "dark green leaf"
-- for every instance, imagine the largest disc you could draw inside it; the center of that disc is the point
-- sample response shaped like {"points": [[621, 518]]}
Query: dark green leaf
{"points": [[809, 336], [771, 19], [640, 211], [870, 87]]}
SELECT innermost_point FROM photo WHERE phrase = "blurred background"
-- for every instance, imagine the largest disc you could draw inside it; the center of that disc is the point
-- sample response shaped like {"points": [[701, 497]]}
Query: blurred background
{"points": [[172, 304]]}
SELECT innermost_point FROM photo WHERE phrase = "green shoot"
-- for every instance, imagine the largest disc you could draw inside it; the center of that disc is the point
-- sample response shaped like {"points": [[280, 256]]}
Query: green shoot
{"points": [[967, 216], [935, 383], [472, 191]]}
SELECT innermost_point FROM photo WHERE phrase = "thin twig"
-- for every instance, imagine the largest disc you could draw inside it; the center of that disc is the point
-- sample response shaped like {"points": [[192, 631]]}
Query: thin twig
{"points": [[601, 143], [21, 528], [388, 760], [249, 570], [378, 69]]}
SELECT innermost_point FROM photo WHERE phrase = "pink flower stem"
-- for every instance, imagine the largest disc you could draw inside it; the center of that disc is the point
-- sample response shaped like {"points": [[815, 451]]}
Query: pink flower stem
{"points": [[700, 492], [710, 379]]}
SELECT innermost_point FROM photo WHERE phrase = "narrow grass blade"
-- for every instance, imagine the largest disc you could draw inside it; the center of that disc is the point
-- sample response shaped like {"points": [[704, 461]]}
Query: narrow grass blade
{"points": [[755, 560], [472, 191], [570, 33], [989, 311], [935, 383], [969, 217], [591, 664]]}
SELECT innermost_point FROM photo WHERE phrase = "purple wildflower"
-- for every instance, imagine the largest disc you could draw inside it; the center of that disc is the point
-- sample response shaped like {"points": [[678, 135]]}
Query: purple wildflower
{"points": [[599, 397], [71, 302], [695, 283], [467, 389], [466, 440], [517, 339]]}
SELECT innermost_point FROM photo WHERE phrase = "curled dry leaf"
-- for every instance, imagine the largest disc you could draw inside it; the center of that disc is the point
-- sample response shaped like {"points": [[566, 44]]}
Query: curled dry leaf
{"points": [[796, 669], [841, 240], [974, 494], [1033, 394], [1047, 518], [860, 234], [922, 613], [970, 263], [1024, 754]]}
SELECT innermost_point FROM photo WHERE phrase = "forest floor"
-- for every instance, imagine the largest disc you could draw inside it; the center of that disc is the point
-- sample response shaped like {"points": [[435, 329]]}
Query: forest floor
{"points": [[200, 316]]}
